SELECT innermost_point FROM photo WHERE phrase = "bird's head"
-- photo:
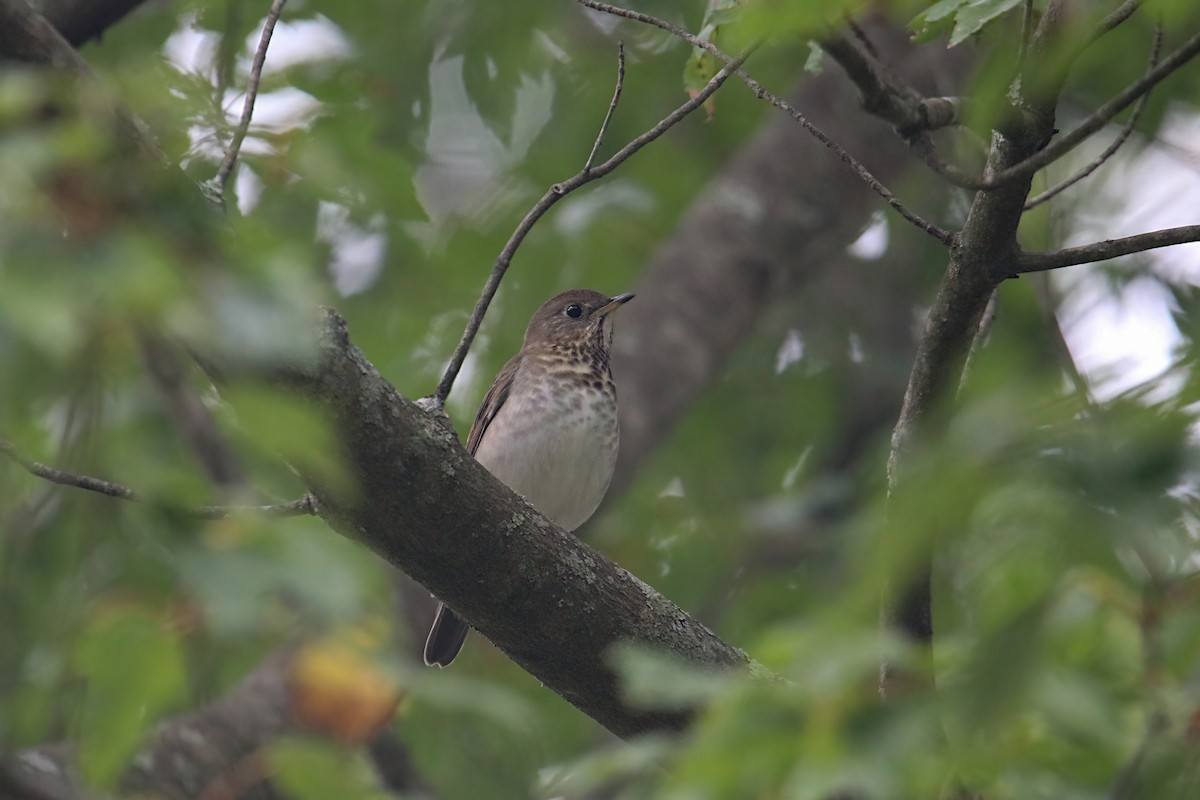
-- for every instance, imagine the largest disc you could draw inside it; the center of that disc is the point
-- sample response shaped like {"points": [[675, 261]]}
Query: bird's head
{"points": [[576, 320]]}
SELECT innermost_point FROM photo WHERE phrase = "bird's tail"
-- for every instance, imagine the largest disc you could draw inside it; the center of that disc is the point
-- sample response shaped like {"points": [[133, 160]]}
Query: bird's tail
{"points": [[446, 637]]}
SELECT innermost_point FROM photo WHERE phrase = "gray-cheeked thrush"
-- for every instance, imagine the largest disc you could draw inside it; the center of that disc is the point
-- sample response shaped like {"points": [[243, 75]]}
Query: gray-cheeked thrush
{"points": [[548, 426]]}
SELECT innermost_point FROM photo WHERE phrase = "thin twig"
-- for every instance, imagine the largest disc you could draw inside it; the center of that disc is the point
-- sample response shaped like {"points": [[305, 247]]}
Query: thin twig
{"points": [[1119, 15], [256, 68], [981, 334], [1126, 132], [557, 192], [1098, 118], [942, 235], [1050, 304], [612, 107], [1109, 248], [305, 505]]}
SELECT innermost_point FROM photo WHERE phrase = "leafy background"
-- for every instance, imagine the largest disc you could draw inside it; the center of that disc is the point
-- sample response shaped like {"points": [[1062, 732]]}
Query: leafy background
{"points": [[394, 148]]}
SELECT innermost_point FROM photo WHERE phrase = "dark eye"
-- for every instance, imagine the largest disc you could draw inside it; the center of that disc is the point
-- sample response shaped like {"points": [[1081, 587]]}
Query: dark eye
{"points": [[574, 311]]}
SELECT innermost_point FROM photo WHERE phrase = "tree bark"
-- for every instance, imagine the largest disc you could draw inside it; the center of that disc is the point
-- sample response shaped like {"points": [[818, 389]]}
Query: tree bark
{"points": [[419, 501], [80, 21]]}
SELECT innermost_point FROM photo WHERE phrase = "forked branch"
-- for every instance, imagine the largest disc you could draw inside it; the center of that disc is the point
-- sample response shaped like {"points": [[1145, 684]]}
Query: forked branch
{"points": [[1109, 151]]}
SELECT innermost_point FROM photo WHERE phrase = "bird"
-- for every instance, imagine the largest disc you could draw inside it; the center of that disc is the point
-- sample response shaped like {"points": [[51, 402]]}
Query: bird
{"points": [[547, 427]]}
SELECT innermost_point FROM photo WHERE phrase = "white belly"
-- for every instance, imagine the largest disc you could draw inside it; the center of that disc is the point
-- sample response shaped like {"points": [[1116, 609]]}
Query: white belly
{"points": [[560, 458]]}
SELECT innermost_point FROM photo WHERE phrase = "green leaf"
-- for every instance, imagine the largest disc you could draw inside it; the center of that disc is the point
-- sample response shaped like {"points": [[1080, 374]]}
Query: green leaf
{"points": [[968, 18], [972, 17], [311, 770], [132, 666]]}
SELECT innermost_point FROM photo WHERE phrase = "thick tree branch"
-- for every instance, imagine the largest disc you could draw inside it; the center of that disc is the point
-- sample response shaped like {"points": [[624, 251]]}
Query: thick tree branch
{"points": [[80, 21], [1109, 248], [192, 755], [26, 37], [557, 192], [985, 253], [543, 597]]}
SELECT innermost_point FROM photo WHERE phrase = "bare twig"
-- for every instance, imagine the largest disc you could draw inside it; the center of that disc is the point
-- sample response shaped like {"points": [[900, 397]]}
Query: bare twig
{"points": [[1050, 304], [942, 235], [1109, 151], [256, 68], [557, 192], [981, 334], [612, 107], [1109, 248], [1119, 15], [299, 507], [1098, 118]]}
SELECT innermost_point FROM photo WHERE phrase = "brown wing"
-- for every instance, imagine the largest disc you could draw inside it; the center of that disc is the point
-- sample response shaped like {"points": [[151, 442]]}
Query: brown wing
{"points": [[492, 402]]}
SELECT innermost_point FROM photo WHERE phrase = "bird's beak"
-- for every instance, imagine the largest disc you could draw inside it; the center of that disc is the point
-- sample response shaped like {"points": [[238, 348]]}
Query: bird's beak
{"points": [[613, 305]]}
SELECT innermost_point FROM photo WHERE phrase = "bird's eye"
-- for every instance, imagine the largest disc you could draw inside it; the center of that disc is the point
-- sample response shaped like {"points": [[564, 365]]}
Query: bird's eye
{"points": [[574, 311]]}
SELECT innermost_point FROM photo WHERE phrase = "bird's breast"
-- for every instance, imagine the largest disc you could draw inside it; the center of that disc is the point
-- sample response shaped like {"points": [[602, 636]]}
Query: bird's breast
{"points": [[554, 441]]}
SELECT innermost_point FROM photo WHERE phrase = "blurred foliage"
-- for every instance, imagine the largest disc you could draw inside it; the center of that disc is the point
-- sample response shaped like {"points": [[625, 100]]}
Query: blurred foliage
{"points": [[394, 148]]}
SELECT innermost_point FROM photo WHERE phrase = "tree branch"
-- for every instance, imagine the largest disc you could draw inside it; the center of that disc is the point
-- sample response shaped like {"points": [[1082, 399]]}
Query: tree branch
{"points": [[1118, 16], [80, 21], [943, 236], [552, 604], [189, 754], [1109, 248], [1097, 119], [1109, 151], [557, 192], [27, 37], [713, 281], [612, 108], [217, 185], [298, 507], [986, 251], [912, 115]]}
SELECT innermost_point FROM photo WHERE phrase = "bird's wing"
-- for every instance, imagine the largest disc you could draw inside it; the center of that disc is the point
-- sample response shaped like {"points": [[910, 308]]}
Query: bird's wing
{"points": [[493, 401]]}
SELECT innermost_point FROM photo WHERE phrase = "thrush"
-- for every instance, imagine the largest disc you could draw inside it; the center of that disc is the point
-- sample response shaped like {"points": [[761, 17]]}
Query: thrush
{"points": [[547, 427]]}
